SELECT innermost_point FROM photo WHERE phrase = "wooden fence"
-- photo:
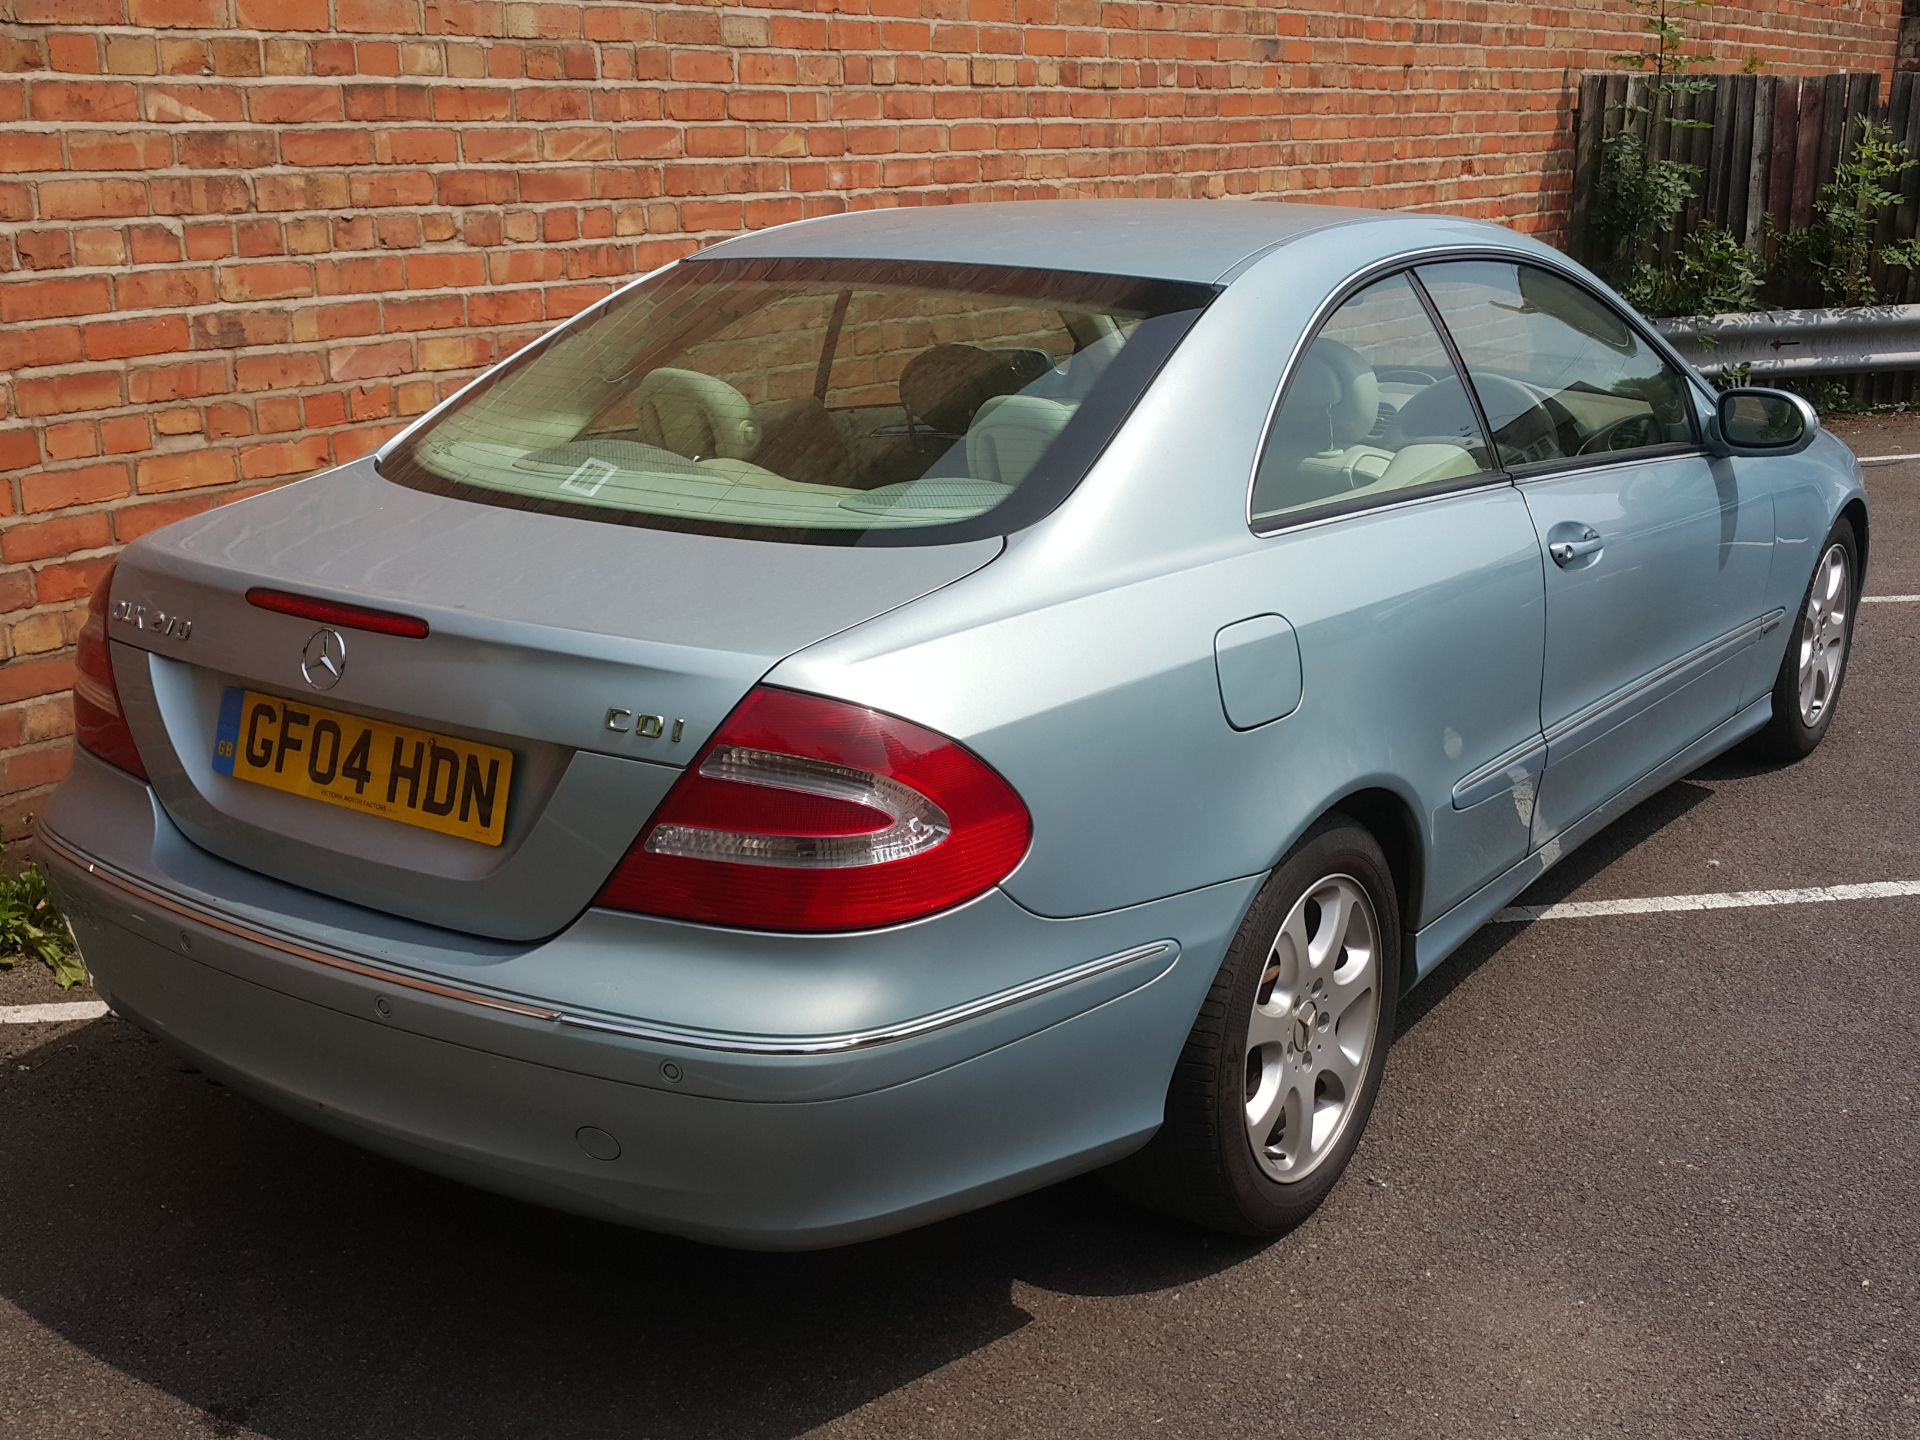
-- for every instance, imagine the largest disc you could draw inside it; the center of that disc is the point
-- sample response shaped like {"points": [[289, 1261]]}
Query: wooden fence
{"points": [[1768, 144]]}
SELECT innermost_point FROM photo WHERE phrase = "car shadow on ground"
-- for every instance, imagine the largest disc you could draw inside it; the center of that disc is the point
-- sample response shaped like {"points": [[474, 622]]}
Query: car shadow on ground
{"points": [[280, 1281], [1634, 828]]}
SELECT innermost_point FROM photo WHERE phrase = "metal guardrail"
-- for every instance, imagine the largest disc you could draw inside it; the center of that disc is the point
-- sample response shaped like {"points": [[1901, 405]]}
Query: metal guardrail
{"points": [[1775, 343]]}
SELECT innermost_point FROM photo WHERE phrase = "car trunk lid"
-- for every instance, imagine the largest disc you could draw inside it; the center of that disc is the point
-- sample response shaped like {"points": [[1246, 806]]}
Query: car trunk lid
{"points": [[598, 656]]}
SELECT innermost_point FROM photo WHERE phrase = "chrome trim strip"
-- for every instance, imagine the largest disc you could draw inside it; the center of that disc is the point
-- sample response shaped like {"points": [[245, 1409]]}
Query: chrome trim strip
{"points": [[631, 1029], [1465, 795], [150, 895], [883, 1035], [1475, 485], [1698, 658], [1545, 470], [1446, 933]]}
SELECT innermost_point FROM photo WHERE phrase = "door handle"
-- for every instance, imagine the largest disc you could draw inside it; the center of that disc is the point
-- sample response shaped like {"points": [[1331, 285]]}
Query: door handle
{"points": [[1565, 552]]}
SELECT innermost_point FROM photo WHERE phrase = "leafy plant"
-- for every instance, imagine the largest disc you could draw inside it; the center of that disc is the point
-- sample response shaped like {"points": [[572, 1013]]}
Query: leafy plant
{"points": [[1826, 395], [31, 926], [1714, 274], [1636, 199], [1638, 196], [1733, 377], [1837, 252]]}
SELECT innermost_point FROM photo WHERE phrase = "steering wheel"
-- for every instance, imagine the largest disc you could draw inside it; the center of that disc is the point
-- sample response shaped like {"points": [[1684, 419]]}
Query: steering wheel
{"points": [[1631, 432], [1538, 429], [694, 415]]}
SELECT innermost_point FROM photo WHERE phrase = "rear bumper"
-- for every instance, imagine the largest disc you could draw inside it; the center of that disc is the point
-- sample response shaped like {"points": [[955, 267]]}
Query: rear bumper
{"points": [[780, 1138]]}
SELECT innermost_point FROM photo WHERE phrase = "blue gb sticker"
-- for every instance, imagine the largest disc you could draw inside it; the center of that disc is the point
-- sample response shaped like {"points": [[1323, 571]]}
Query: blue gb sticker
{"points": [[226, 739]]}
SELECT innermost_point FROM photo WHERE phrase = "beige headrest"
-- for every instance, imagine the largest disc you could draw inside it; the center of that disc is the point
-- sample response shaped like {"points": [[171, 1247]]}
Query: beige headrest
{"points": [[1011, 433], [695, 415], [1333, 379]]}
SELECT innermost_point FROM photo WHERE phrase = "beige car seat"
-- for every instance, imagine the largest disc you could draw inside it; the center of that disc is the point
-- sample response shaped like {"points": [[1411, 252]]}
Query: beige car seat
{"points": [[1319, 448], [1010, 433], [1330, 406], [694, 415]]}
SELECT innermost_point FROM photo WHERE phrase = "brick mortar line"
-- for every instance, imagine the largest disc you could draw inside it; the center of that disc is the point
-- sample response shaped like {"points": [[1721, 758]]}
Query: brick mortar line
{"points": [[176, 170], [1186, 154], [1508, 33], [262, 348], [268, 349], [97, 272], [597, 124]]}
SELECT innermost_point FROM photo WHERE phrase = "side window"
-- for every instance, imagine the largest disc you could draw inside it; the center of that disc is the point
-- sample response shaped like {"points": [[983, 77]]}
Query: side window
{"points": [[1560, 373], [1374, 409]]}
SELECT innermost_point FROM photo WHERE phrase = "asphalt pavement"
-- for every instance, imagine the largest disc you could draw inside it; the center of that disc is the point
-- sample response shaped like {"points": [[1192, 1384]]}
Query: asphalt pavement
{"points": [[1639, 1174]]}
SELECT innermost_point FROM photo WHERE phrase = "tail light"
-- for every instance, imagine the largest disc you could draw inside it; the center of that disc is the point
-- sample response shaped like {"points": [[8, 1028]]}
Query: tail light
{"points": [[808, 814], [98, 725]]}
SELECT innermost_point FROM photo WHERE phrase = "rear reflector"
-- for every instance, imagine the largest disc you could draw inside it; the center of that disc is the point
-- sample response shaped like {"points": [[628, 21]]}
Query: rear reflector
{"points": [[99, 727], [332, 612], [807, 814]]}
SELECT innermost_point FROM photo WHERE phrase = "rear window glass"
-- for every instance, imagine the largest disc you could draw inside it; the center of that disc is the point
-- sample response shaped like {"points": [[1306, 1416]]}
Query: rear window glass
{"points": [[831, 402]]}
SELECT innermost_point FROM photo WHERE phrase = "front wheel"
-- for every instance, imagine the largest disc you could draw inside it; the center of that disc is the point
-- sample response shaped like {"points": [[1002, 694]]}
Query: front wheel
{"points": [[1282, 1066], [1808, 685]]}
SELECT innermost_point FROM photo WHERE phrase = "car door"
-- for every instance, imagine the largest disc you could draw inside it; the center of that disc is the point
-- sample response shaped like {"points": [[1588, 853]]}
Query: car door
{"points": [[1407, 565], [1656, 555]]}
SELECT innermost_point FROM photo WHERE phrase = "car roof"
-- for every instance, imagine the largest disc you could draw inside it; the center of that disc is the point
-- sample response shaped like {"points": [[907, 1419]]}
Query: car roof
{"points": [[1194, 240]]}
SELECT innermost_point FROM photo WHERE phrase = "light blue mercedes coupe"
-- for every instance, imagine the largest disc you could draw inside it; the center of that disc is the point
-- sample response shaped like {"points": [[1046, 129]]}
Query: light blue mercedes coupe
{"points": [[896, 709]]}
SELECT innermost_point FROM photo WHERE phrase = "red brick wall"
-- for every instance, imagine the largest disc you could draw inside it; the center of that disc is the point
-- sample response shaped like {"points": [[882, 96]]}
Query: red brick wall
{"points": [[243, 239]]}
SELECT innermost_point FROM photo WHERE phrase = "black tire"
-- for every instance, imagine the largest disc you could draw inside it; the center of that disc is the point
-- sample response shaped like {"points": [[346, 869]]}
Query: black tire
{"points": [[1200, 1165], [1788, 735]]}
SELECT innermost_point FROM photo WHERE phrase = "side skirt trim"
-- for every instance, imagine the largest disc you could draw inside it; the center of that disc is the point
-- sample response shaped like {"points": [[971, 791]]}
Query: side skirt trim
{"points": [[1577, 731], [1445, 935]]}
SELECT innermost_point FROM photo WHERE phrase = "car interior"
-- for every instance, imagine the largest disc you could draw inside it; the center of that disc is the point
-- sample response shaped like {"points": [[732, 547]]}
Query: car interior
{"points": [[964, 425], [1345, 432], [1376, 406]]}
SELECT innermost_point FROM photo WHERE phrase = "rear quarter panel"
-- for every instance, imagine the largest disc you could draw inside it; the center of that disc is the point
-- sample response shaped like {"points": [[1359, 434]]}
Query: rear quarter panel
{"points": [[1104, 712]]}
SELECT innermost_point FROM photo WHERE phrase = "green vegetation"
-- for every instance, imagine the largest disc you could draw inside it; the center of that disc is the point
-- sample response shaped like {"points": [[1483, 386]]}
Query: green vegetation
{"points": [[1639, 198], [1838, 251], [1713, 273], [31, 927]]}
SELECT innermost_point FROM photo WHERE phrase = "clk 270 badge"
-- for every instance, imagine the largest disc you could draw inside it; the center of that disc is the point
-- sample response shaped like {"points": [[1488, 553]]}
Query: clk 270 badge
{"points": [[156, 622]]}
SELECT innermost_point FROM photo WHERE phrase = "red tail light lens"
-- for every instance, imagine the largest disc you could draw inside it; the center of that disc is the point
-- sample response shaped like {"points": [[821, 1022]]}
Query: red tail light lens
{"points": [[808, 814], [98, 725]]}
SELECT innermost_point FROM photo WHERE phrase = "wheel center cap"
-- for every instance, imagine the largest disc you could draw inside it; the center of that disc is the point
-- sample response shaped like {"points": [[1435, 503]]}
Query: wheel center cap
{"points": [[1303, 1028]]}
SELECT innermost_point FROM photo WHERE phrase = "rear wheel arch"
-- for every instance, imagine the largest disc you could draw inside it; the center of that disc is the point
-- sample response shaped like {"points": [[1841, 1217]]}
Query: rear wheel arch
{"points": [[1386, 815]]}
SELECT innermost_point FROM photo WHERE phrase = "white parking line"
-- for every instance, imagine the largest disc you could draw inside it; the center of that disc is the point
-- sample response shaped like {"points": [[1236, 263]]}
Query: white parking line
{"points": [[1731, 900], [1889, 599], [1887, 459], [51, 1014]]}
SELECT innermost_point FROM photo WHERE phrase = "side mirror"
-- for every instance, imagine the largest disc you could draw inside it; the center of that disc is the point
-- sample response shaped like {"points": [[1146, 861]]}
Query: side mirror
{"points": [[1752, 421]]}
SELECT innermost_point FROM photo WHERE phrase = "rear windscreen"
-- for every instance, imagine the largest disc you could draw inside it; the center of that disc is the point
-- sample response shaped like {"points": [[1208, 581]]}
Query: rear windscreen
{"points": [[837, 402]]}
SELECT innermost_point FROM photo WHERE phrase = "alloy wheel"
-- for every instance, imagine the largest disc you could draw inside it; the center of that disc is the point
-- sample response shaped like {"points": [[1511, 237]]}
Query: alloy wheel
{"points": [[1316, 1017], [1823, 634]]}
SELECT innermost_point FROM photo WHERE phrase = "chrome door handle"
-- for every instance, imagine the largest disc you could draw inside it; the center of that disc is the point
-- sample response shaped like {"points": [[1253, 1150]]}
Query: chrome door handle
{"points": [[1565, 552]]}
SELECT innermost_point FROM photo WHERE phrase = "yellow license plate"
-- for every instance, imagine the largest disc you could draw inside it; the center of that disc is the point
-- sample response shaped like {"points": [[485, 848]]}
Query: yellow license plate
{"points": [[457, 787]]}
